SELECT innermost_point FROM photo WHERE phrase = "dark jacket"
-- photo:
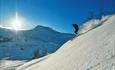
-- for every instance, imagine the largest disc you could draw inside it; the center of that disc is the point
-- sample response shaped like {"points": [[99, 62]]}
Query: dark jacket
{"points": [[76, 28]]}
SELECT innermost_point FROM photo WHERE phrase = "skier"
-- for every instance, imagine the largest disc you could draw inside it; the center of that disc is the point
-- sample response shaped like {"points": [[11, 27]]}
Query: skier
{"points": [[76, 28]]}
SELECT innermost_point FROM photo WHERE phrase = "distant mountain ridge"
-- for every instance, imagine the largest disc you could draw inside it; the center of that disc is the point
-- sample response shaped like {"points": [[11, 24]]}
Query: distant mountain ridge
{"points": [[25, 42]]}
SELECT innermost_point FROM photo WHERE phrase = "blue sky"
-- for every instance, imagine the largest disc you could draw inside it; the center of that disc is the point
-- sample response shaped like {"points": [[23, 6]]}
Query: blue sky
{"points": [[57, 14]]}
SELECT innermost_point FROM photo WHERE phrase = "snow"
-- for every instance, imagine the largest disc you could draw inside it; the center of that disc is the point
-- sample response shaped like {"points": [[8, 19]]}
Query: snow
{"points": [[93, 50], [34, 61], [10, 64], [92, 24], [15, 45]]}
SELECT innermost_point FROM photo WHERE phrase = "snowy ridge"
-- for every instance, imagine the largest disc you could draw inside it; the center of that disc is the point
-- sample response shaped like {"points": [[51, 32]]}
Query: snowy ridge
{"points": [[94, 50]]}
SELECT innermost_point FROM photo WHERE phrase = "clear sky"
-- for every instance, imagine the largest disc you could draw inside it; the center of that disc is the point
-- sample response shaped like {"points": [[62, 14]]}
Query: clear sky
{"points": [[57, 14]]}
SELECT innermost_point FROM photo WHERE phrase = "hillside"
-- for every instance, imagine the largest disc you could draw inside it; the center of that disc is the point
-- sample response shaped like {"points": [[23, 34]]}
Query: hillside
{"points": [[93, 50]]}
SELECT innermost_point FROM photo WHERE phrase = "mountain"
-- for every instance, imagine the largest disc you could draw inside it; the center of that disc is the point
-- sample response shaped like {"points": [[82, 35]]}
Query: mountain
{"points": [[25, 45], [92, 50]]}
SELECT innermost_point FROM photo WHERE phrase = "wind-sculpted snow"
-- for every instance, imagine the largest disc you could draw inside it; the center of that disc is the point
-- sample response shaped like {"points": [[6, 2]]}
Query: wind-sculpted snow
{"points": [[91, 25], [94, 50]]}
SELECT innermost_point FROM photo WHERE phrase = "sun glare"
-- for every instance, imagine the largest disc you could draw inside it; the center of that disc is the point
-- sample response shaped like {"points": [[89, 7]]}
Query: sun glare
{"points": [[16, 23]]}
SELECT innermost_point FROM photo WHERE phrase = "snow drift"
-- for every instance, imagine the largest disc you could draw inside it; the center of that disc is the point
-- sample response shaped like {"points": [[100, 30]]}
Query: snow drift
{"points": [[94, 50]]}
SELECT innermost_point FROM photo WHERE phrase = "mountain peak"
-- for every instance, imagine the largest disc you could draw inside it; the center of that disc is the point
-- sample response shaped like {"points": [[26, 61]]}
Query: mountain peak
{"points": [[44, 29], [39, 26]]}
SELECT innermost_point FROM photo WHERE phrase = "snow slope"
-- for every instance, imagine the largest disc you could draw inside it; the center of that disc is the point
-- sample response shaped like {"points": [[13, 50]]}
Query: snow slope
{"points": [[9, 64], [94, 50], [21, 45]]}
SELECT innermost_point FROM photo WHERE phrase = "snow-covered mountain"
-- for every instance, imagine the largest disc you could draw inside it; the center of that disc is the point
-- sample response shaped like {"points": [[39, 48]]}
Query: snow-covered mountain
{"points": [[23, 45], [92, 50]]}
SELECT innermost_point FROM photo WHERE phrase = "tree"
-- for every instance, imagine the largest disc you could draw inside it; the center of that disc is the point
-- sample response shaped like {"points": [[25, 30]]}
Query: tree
{"points": [[45, 51], [36, 54]]}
